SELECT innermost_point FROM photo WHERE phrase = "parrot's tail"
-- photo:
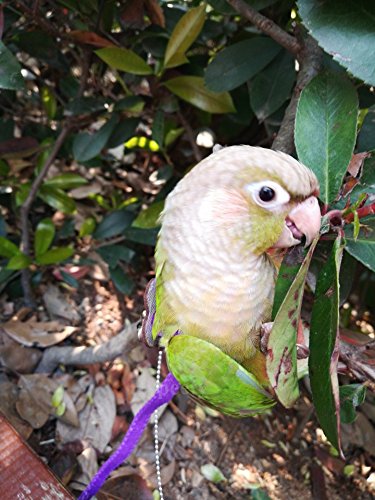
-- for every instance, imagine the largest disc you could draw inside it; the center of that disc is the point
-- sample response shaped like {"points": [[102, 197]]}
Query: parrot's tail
{"points": [[164, 394]]}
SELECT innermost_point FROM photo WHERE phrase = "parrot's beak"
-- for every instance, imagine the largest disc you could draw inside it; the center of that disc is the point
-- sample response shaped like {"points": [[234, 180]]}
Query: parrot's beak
{"points": [[302, 223]]}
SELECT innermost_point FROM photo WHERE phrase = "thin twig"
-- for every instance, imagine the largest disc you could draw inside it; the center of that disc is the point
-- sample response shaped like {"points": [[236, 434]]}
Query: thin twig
{"points": [[310, 61], [289, 42], [197, 154], [25, 211], [119, 345]]}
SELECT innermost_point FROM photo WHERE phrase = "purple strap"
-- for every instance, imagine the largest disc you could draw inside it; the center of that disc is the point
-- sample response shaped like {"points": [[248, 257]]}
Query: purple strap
{"points": [[163, 395]]}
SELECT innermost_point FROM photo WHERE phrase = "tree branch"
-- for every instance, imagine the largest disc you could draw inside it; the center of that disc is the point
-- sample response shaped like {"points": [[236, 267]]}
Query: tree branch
{"points": [[310, 61], [119, 345], [25, 211], [289, 42]]}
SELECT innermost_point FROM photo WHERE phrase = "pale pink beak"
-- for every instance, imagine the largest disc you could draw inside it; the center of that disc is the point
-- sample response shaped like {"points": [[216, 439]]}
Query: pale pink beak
{"points": [[302, 222]]}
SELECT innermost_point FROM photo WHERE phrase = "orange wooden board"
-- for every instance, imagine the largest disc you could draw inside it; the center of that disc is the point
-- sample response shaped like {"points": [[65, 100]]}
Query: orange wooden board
{"points": [[23, 476]]}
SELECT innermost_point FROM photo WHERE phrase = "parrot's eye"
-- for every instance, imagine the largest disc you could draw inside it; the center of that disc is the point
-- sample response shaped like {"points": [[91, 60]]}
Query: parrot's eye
{"points": [[266, 193]]}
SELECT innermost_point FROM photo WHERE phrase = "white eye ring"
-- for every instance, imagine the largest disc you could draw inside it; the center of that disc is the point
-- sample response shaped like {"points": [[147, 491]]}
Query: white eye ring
{"points": [[280, 195]]}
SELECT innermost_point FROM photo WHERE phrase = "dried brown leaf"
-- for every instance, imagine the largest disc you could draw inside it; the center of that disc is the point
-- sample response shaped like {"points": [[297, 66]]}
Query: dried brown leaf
{"points": [[18, 358], [9, 396], [90, 38], [131, 487], [58, 305], [34, 333]]}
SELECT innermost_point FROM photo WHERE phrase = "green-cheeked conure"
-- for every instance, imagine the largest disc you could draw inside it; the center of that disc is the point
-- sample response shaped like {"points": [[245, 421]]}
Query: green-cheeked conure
{"points": [[215, 275]]}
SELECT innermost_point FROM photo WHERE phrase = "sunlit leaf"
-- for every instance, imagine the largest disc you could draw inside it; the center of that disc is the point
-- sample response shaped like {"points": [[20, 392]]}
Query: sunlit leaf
{"points": [[19, 261], [149, 217], [183, 35], [55, 256], [124, 60], [44, 234], [57, 199], [8, 248], [323, 346], [66, 181], [88, 227], [212, 473], [49, 102], [193, 90], [325, 130]]}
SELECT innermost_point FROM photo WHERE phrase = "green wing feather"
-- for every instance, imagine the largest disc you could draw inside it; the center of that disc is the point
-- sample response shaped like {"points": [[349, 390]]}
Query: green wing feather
{"points": [[209, 374]]}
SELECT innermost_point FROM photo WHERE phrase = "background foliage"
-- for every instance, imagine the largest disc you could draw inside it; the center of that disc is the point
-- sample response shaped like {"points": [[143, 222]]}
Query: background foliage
{"points": [[105, 105]]}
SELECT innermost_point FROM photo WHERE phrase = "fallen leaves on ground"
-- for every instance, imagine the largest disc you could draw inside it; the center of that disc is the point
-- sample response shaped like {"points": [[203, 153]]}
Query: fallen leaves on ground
{"points": [[33, 333]]}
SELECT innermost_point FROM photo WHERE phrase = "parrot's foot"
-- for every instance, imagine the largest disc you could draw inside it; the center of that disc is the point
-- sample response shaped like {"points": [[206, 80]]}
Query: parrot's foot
{"points": [[265, 331], [302, 351]]}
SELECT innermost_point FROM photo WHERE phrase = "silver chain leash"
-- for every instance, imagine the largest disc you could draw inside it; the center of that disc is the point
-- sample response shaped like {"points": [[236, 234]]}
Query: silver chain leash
{"points": [[156, 429]]}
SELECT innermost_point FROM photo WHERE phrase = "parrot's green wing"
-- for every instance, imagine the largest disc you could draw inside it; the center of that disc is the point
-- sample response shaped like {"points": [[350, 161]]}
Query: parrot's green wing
{"points": [[209, 374]]}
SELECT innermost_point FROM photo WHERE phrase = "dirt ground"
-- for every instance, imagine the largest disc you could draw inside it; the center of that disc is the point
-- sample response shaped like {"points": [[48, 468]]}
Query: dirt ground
{"points": [[282, 454]]}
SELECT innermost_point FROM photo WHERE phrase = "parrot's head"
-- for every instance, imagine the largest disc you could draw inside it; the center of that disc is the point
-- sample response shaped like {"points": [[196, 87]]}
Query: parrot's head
{"points": [[267, 196]]}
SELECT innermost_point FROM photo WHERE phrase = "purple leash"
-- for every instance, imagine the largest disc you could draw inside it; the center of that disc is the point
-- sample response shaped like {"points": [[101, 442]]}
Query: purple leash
{"points": [[164, 394]]}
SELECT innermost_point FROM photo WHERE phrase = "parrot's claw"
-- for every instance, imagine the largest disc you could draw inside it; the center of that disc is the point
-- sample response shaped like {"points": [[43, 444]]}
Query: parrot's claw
{"points": [[145, 331], [265, 331], [302, 351]]}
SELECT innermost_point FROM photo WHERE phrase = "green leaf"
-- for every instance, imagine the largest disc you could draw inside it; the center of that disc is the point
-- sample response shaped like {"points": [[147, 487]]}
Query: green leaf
{"points": [[366, 136], [362, 248], [259, 494], [281, 357], [113, 224], [346, 31], [121, 280], [192, 89], [122, 132], [183, 35], [86, 146], [44, 234], [323, 346], [149, 217], [272, 86], [124, 60], [112, 254], [158, 128], [212, 473], [325, 130], [57, 396], [88, 227], [19, 261], [240, 62], [10, 70], [69, 280], [351, 396], [55, 256], [7, 248], [143, 236], [49, 102], [56, 198], [66, 181]]}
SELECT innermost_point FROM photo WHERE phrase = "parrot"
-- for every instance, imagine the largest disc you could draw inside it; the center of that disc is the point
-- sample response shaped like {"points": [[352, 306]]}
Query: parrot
{"points": [[215, 271]]}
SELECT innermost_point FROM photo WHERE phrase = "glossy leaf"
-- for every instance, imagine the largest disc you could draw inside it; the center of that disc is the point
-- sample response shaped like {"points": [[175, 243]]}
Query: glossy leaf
{"points": [[66, 181], [351, 396], [113, 224], [44, 234], [212, 473], [346, 31], [55, 256], [86, 146], [112, 254], [149, 217], [325, 130], [366, 136], [324, 348], [121, 280], [19, 261], [183, 35], [122, 132], [10, 70], [193, 90], [124, 60], [272, 86], [56, 198], [281, 357], [362, 248], [8, 248], [240, 62]]}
